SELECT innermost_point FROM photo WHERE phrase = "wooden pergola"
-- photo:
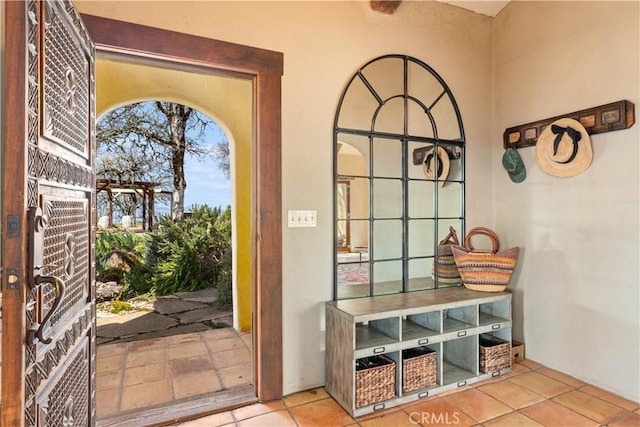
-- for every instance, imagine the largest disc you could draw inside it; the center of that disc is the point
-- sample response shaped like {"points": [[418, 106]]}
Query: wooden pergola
{"points": [[146, 190]]}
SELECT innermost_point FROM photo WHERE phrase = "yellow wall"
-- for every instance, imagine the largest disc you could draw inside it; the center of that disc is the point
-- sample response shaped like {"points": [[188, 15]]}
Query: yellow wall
{"points": [[226, 100]]}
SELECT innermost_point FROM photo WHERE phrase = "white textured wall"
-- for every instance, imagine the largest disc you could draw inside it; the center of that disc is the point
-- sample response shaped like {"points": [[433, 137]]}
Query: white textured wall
{"points": [[577, 289], [323, 44]]}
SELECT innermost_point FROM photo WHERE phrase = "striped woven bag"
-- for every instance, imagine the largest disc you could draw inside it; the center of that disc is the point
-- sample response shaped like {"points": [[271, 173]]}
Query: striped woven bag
{"points": [[485, 270], [445, 266]]}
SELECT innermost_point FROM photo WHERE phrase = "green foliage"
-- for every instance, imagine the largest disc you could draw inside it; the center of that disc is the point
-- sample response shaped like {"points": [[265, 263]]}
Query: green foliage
{"points": [[225, 284], [189, 254], [139, 280], [115, 307], [124, 242], [117, 253], [120, 258]]}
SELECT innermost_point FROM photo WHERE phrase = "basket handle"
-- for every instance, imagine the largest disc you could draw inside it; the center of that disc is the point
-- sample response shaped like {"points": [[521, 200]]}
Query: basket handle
{"points": [[451, 238], [485, 232]]}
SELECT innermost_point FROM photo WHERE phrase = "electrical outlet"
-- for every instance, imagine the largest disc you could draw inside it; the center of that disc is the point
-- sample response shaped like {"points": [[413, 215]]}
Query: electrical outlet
{"points": [[302, 219]]}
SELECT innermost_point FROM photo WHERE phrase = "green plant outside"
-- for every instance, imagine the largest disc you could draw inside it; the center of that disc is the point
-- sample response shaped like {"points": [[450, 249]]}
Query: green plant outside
{"points": [[187, 255], [115, 307]]}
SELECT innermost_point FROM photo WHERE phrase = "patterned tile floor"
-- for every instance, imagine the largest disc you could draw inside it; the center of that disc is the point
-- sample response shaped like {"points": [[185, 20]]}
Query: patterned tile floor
{"points": [[532, 395], [143, 374]]}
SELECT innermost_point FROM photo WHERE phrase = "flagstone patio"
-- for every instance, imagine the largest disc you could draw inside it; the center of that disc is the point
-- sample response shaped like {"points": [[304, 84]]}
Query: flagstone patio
{"points": [[173, 349]]}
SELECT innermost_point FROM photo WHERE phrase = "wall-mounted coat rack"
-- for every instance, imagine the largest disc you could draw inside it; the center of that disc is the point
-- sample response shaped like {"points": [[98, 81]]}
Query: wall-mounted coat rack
{"points": [[420, 154], [605, 118]]}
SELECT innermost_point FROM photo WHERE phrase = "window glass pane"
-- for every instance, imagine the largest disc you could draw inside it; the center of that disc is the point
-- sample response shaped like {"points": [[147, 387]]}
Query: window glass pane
{"points": [[352, 197], [352, 153], [387, 158], [387, 198], [352, 235], [390, 118], [417, 153], [353, 279], [420, 274], [446, 121], [358, 107], [387, 239], [421, 238], [386, 76], [444, 228], [455, 164], [450, 200], [421, 199], [387, 277], [418, 122], [423, 85]]}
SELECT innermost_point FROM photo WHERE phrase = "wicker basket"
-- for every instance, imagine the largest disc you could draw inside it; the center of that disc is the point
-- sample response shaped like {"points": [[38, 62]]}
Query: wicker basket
{"points": [[418, 368], [445, 266], [375, 380], [482, 270], [495, 354]]}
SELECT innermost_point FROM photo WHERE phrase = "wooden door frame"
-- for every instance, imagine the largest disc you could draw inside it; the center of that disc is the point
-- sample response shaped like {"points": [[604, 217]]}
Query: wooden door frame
{"points": [[21, 127], [14, 244], [265, 69]]}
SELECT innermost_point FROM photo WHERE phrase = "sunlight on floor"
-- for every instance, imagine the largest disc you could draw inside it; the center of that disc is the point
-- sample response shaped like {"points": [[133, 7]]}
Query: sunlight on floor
{"points": [[138, 375]]}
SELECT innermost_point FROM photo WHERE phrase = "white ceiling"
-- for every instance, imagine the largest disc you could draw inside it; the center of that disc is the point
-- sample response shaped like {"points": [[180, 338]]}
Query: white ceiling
{"points": [[489, 7]]}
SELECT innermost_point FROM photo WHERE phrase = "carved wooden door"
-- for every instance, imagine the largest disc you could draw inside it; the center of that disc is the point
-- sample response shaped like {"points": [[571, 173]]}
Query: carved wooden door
{"points": [[48, 303]]}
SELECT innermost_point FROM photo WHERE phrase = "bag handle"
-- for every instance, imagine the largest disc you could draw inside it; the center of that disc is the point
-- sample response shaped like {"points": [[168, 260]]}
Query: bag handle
{"points": [[451, 239], [485, 232]]}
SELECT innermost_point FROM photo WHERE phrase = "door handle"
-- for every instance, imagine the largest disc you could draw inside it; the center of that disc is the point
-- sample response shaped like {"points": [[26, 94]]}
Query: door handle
{"points": [[37, 330], [38, 221]]}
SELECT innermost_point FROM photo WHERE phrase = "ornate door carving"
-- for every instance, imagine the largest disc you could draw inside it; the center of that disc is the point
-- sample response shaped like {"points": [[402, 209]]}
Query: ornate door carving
{"points": [[48, 193]]}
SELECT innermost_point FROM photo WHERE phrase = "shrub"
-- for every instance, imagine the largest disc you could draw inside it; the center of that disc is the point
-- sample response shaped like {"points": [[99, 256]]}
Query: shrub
{"points": [[225, 282], [188, 255], [117, 253]]}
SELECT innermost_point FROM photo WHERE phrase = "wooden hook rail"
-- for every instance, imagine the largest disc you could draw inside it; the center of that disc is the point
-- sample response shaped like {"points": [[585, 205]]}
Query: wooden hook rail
{"points": [[604, 118]]}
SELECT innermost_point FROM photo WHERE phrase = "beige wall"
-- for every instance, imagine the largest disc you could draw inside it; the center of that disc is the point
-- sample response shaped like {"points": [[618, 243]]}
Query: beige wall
{"points": [[323, 44], [577, 287]]}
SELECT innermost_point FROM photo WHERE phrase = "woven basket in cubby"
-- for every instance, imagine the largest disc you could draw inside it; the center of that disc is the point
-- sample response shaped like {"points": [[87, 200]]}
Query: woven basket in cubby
{"points": [[375, 380], [495, 354], [419, 368]]}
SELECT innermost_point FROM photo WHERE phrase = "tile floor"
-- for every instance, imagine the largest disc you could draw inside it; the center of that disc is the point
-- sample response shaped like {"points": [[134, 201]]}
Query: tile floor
{"points": [[143, 374], [531, 395]]}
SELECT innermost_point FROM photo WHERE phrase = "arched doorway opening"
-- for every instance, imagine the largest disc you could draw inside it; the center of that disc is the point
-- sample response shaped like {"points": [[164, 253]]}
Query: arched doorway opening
{"points": [[263, 69]]}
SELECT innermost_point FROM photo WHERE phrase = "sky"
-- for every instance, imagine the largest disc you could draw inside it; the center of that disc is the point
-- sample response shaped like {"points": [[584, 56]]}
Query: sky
{"points": [[206, 183]]}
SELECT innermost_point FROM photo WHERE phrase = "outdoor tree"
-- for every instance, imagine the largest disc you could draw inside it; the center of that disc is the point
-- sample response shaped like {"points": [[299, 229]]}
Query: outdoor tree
{"points": [[148, 141]]}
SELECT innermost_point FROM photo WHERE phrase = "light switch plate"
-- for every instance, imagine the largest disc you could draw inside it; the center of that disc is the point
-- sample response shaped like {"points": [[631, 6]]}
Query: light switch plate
{"points": [[300, 218]]}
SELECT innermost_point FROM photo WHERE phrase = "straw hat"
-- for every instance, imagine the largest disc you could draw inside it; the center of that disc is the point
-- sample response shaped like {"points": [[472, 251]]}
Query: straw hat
{"points": [[564, 149], [440, 162]]}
